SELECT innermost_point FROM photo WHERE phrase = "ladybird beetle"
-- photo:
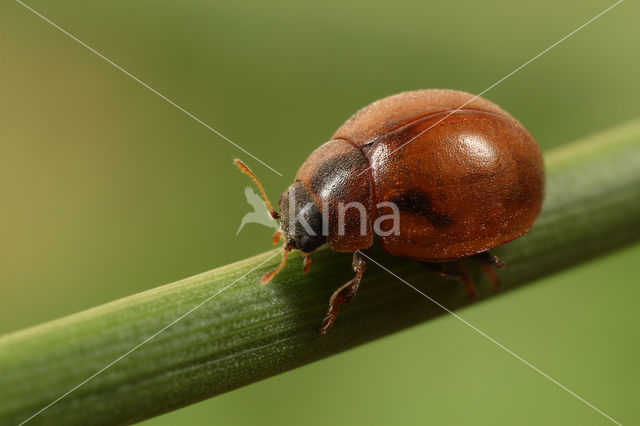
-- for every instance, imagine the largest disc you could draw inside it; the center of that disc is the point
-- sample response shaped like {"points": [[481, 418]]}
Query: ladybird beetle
{"points": [[451, 174]]}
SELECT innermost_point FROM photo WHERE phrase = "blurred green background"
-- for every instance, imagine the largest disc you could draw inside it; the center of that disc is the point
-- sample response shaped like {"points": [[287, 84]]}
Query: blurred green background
{"points": [[107, 190]]}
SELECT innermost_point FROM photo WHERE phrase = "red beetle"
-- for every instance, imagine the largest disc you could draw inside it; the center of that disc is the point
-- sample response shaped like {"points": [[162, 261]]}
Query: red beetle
{"points": [[438, 175]]}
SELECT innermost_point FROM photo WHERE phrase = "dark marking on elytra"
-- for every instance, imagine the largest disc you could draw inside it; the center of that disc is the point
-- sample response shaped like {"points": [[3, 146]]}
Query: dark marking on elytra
{"points": [[420, 204]]}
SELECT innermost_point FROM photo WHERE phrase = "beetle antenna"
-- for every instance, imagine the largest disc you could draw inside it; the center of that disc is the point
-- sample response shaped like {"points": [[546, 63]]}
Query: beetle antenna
{"points": [[246, 170]]}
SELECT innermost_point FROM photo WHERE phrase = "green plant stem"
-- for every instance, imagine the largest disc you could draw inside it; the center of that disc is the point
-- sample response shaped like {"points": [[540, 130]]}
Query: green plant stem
{"points": [[245, 332]]}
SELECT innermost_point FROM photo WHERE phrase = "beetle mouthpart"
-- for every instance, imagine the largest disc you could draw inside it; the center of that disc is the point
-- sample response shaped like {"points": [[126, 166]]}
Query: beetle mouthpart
{"points": [[266, 278]]}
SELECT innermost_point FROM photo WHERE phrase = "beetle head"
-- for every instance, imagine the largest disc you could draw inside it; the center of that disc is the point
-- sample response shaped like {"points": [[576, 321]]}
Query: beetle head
{"points": [[300, 219]]}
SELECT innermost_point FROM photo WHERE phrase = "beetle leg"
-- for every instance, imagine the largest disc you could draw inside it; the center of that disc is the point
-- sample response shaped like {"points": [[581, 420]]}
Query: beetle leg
{"points": [[489, 264], [306, 264], [276, 237], [468, 282], [345, 293], [441, 269], [460, 274], [489, 259], [493, 277], [269, 275]]}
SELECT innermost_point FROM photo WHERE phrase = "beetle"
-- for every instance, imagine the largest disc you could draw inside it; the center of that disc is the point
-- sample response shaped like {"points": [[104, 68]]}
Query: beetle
{"points": [[461, 175]]}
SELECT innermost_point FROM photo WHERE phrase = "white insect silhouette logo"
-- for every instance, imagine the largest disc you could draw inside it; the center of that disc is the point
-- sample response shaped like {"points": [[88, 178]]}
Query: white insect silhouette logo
{"points": [[259, 215]]}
